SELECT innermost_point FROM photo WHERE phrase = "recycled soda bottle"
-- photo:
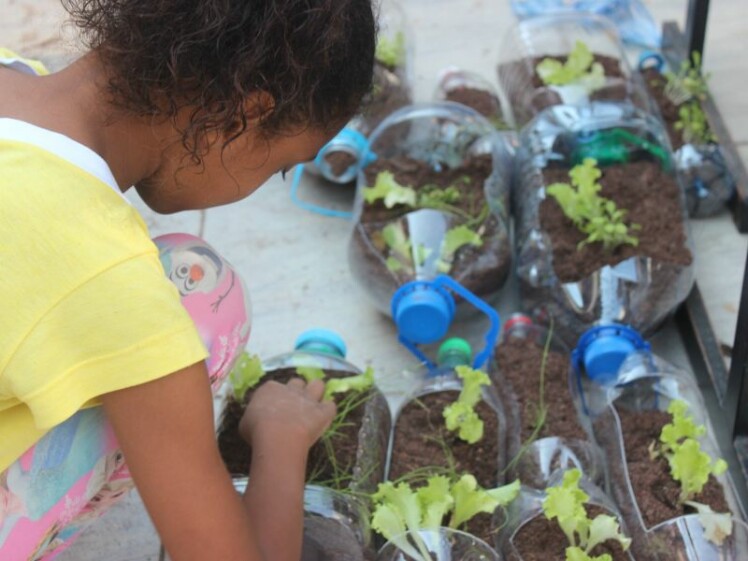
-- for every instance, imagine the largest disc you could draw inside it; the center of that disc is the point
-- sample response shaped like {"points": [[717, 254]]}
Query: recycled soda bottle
{"points": [[630, 395], [530, 373]]}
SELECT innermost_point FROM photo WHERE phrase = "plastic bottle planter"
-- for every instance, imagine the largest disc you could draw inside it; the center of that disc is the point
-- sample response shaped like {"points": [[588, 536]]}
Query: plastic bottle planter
{"points": [[598, 69], [562, 441], [579, 284], [353, 459], [443, 544], [626, 417], [527, 534], [698, 157], [420, 440], [335, 524], [434, 202], [340, 160], [473, 90]]}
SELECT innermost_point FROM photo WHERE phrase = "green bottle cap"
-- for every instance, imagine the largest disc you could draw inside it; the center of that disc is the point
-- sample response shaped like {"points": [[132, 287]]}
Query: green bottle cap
{"points": [[454, 352]]}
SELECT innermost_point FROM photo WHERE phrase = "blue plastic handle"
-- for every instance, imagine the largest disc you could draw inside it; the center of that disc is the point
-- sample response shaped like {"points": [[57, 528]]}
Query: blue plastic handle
{"points": [[298, 172], [441, 284]]}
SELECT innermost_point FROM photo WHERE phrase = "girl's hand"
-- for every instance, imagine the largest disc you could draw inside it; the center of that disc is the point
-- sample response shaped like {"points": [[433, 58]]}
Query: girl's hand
{"points": [[290, 415]]}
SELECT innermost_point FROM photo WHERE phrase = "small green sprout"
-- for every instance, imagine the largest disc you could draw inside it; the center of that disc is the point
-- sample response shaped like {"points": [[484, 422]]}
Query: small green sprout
{"points": [[579, 68], [460, 415], [688, 83], [689, 465], [390, 51], [387, 188], [310, 373], [592, 214], [693, 124], [455, 239], [400, 247], [245, 375], [358, 383], [565, 504]]}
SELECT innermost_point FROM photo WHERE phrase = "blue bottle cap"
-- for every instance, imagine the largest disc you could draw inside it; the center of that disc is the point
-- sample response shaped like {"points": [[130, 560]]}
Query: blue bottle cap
{"points": [[602, 349], [321, 341], [422, 312]]}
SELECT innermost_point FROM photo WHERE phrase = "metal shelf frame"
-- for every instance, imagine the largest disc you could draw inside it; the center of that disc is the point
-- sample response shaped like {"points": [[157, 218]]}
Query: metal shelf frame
{"points": [[725, 392]]}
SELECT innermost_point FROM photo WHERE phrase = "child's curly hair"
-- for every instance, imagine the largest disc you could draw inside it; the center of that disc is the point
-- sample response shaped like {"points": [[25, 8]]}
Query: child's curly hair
{"points": [[314, 57]]}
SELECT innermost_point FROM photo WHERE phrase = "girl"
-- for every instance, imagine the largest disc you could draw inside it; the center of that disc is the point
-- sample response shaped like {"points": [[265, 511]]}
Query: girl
{"points": [[194, 103]]}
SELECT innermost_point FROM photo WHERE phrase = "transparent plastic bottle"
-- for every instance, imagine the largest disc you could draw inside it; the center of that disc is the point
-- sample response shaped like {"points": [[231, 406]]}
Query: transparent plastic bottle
{"points": [[526, 352], [625, 389], [335, 515], [454, 170], [639, 285], [471, 89], [530, 42]]}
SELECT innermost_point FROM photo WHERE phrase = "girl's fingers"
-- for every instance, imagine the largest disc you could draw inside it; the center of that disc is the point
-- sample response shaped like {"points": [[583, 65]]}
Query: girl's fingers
{"points": [[296, 384], [315, 389]]}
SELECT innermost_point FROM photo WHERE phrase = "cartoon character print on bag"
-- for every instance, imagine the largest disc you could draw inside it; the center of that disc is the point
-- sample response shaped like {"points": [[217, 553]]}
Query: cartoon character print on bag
{"points": [[213, 294]]}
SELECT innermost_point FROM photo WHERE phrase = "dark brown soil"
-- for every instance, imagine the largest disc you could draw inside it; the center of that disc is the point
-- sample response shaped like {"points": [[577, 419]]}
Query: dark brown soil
{"points": [[339, 161], [520, 363], [655, 83], [237, 454], [656, 491], [484, 102], [543, 540], [420, 441], [652, 199]]}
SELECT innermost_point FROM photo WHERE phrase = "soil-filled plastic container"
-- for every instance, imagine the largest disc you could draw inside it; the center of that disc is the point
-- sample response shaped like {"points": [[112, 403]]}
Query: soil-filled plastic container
{"points": [[433, 202], [544, 430], [564, 272], [443, 544], [527, 535], [350, 457], [421, 442], [565, 59], [340, 159], [471, 89], [636, 401], [698, 156]]}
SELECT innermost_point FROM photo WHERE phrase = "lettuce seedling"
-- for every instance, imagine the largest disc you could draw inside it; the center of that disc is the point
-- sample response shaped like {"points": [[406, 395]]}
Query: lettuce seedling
{"points": [[566, 505], [390, 191], [399, 509], [310, 373], [245, 375], [579, 69], [460, 415], [596, 216], [391, 51], [689, 465], [358, 383], [688, 82], [400, 247], [454, 239], [693, 124]]}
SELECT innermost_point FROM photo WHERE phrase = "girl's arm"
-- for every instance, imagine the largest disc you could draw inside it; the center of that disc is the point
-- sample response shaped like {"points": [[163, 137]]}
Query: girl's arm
{"points": [[166, 432]]}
